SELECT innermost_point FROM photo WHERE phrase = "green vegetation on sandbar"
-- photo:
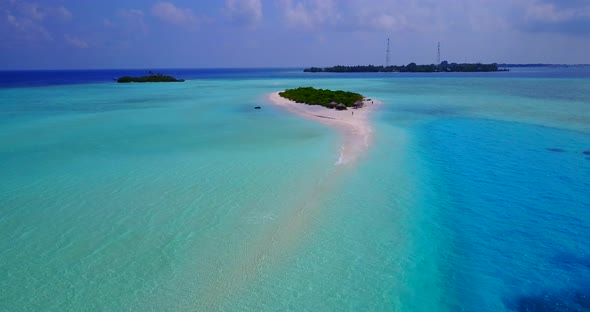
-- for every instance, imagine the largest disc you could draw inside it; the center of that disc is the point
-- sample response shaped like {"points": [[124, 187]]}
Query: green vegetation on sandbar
{"points": [[150, 78], [326, 98]]}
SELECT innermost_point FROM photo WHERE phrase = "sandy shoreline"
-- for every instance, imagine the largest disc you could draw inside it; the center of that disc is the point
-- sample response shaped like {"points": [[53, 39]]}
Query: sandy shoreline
{"points": [[356, 127]]}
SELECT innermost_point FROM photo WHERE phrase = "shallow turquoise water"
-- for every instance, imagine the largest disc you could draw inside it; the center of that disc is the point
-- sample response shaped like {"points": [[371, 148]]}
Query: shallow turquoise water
{"points": [[182, 197]]}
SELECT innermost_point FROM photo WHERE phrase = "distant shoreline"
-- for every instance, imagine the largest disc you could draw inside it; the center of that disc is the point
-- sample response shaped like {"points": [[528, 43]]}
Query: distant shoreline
{"points": [[411, 68]]}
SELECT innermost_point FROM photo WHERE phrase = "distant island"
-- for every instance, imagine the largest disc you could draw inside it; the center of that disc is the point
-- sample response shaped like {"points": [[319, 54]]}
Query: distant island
{"points": [[339, 99], [410, 68], [149, 78]]}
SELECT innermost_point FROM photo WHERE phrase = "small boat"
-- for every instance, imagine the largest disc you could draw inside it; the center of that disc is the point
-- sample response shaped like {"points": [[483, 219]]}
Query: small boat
{"points": [[257, 107]]}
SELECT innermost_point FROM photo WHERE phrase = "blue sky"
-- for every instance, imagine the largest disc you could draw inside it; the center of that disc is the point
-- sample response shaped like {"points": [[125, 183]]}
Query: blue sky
{"points": [[48, 34]]}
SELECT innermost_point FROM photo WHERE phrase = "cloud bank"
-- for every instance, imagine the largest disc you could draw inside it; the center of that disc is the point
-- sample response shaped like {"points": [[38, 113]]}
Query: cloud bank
{"points": [[246, 13], [169, 13], [319, 32]]}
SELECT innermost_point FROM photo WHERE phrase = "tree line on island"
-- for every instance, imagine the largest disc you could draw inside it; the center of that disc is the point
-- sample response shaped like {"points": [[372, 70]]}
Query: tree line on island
{"points": [[339, 99], [149, 78], [410, 68]]}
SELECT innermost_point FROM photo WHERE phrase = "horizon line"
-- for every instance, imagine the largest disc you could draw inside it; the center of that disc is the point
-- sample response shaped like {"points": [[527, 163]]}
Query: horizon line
{"points": [[271, 67]]}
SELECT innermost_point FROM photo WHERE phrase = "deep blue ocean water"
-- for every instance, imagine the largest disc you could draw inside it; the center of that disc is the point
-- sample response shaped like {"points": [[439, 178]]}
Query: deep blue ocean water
{"points": [[180, 197], [518, 213]]}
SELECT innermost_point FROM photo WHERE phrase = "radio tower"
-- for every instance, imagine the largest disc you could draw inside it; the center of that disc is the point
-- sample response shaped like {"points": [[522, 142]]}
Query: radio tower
{"points": [[387, 56], [438, 57]]}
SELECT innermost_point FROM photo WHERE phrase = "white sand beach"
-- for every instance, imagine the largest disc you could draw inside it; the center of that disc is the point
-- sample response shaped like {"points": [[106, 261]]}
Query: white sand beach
{"points": [[354, 123]]}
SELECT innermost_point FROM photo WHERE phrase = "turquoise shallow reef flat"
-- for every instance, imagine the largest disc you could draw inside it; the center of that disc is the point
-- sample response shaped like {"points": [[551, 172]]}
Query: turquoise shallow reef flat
{"points": [[182, 197]]}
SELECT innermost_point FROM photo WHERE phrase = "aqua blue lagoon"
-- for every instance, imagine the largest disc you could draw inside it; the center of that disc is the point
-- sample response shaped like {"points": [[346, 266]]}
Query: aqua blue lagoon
{"points": [[474, 196]]}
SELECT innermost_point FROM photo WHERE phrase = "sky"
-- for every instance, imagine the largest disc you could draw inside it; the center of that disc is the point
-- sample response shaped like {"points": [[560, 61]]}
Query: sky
{"points": [[79, 34]]}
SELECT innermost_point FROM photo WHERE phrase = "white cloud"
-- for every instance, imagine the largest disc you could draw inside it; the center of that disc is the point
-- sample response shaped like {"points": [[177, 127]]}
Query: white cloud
{"points": [[409, 16], [24, 28], [557, 16], [437, 18], [169, 13], [133, 20], [386, 22], [32, 10], [395, 15], [551, 13], [62, 12], [29, 21], [38, 12], [75, 41], [107, 23], [310, 15], [243, 12]]}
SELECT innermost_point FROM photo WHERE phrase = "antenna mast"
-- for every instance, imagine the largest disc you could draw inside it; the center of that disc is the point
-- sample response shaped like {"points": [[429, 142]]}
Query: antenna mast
{"points": [[438, 57], [387, 56]]}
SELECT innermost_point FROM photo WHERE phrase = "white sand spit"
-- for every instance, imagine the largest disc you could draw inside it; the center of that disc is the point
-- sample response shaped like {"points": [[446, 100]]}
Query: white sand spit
{"points": [[354, 123]]}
